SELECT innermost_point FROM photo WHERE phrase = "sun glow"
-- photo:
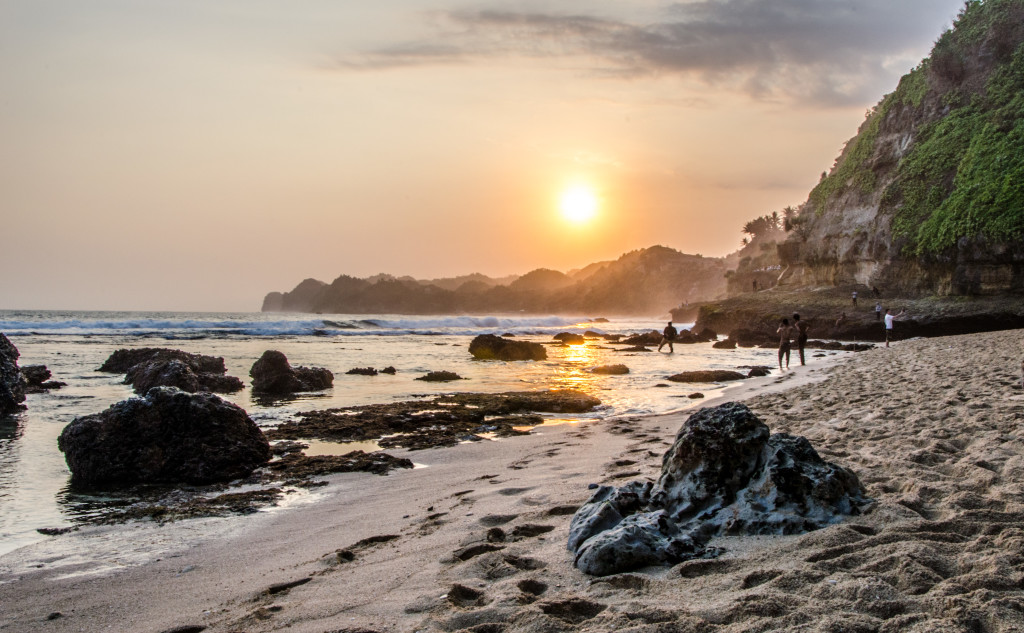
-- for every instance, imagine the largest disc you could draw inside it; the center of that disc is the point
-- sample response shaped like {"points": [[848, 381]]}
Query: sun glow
{"points": [[578, 204]]}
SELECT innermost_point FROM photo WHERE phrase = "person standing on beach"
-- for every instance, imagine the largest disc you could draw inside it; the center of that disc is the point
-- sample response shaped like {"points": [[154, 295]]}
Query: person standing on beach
{"points": [[785, 332], [889, 318], [854, 297], [668, 335], [801, 335], [878, 311]]}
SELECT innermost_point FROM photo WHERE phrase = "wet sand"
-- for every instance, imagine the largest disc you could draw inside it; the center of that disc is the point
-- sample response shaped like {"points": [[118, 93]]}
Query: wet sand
{"points": [[476, 541]]}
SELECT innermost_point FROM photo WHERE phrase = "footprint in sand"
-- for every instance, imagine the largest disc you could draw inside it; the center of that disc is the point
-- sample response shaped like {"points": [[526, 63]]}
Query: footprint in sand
{"points": [[511, 492]]}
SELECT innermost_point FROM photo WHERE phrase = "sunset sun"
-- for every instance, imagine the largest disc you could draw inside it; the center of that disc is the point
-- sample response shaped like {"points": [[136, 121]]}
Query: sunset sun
{"points": [[578, 204]]}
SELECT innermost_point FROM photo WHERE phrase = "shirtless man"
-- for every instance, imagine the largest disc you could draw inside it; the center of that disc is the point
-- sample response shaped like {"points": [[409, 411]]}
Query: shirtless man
{"points": [[801, 335], [785, 332]]}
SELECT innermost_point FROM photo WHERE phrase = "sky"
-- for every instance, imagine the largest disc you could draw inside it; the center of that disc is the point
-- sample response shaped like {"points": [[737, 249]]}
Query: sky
{"points": [[195, 155]]}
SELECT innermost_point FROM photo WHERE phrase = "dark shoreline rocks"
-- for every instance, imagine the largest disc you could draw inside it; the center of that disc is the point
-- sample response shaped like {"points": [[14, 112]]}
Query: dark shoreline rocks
{"points": [[440, 376], [12, 391], [36, 379], [708, 375], [724, 474], [148, 367], [443, 421], [273, 375], [491, 347], [169, 436]]}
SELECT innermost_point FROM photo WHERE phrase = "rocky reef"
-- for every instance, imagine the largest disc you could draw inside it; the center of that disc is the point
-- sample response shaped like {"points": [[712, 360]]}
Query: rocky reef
{"points": [[724, 474], [169, 436], [12, 393], [272, 374]]}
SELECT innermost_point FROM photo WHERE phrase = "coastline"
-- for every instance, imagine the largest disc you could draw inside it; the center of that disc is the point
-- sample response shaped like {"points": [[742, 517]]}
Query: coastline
{"points": [[929, 425]]}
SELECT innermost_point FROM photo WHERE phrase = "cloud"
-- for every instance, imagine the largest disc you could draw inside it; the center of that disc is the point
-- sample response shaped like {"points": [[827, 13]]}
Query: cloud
{"points": [[827, 51]]}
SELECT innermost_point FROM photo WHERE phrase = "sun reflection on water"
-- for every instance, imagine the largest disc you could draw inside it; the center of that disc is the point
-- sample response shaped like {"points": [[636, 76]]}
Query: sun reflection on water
{"points": [[573, 372]]}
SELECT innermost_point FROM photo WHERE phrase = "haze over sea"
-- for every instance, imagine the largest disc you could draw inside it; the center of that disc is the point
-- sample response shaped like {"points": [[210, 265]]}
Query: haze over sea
{"points": [[34, 489]]}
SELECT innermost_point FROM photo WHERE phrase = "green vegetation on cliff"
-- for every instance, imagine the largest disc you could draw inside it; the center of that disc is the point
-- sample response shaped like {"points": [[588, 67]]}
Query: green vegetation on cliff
{"points": [[962, 174]]}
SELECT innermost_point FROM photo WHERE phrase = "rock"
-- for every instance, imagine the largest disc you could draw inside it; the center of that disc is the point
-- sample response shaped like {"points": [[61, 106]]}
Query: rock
{"points": [[729, 343], [647, 338], [440, 376], [611, 369], [272, 374], [754, 338], [12, 392], [725, 474], [706, 335], [362, 371], [759, 371], [36, 379], [569, 338], [389, 370], [124, 359], [708, 375], [638, 348], [179, 374], [168, 436], [695, 395], [491, 347]]}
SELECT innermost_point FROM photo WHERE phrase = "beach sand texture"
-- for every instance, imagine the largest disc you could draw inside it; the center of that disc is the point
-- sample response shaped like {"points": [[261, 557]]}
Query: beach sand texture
{"points": [[477, 541]]}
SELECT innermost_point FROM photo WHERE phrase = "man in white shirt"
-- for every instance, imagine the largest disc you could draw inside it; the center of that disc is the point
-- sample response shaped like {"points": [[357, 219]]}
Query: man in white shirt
{"points": [[889, 318]]}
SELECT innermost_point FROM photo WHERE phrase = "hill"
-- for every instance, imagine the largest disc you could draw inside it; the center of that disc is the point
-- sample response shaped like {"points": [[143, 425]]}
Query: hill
{"points": [[643, 282]]}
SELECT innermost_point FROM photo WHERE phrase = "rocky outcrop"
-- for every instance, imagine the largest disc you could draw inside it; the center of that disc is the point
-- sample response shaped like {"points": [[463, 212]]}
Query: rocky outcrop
{"points": [[181, 375], [725, 474], [168, 436], [12, 393], [568, 338], [149, 367], [491, 347], [273, 375], [36, 379], [707, 375]]}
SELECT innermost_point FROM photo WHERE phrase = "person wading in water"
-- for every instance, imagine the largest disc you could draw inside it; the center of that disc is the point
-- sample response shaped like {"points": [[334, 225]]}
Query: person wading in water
{"points": [[801, 335], [785, 336], [668, 335]]}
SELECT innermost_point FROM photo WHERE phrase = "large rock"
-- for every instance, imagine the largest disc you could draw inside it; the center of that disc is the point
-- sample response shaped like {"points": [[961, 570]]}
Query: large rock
{"points": [[148, 367], [272, 374], [12, 393], [168, 436], [491, 347], [707, 375], [175, 373], [725, 474], [124, 359]]}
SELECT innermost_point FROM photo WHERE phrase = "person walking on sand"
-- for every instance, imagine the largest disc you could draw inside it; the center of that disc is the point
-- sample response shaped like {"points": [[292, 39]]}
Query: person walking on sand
{"points": [[668, 335], [889, 318], [878, 311], [801, 335], [854, 297], [785, 332]]}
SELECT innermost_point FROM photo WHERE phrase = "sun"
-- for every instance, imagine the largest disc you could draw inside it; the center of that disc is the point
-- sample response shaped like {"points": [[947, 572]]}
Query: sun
{"points": [[578, 204]]}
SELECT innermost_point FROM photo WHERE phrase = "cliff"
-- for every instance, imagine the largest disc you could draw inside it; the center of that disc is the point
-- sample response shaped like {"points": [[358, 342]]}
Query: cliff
{"points": [[928, 197], [642, 282]]}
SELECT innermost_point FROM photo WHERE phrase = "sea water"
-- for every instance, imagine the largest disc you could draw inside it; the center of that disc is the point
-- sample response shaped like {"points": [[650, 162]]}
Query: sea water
{"points": [[34, 491]]}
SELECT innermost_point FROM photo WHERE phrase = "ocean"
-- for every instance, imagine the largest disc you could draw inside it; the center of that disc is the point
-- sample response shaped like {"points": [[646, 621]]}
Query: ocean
{"points": [[34, 491]]}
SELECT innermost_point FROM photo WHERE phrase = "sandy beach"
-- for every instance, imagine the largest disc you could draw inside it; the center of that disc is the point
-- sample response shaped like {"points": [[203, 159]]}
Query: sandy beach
{"points": [[476, 541]]}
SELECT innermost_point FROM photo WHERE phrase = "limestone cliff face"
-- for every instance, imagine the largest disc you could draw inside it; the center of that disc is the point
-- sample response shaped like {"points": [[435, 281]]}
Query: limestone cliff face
{"points": [[928, 198]]}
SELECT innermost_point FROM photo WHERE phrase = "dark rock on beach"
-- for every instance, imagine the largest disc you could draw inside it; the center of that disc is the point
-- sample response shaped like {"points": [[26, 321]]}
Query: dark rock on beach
{"points": [[124, 359], [362, 371], [443, 421], [148, 367], [12, 392], [297, 466], [440, 376], [36, 379], [181, 375], [568, 338], [273, 375], [708, 375], [168, 436], [725, 474], [491, 347]]}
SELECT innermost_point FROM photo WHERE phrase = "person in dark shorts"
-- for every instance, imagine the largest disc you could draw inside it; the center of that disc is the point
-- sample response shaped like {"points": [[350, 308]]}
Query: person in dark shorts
{"points": [[668, 335], [785, 337], [801, 335], [889, 318]]}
